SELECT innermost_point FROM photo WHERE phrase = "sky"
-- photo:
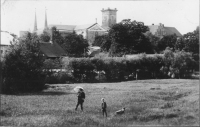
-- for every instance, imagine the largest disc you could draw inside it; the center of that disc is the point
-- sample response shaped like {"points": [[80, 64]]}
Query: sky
{"points": [[19, 15]]}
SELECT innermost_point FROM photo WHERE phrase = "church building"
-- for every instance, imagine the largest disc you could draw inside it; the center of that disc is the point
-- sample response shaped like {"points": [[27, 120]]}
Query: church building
{"points": [[89, 31]]}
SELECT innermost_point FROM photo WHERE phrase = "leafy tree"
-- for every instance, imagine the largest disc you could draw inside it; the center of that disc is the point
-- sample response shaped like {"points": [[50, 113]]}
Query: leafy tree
{"points": [[75, 45], [23, 68], [56, 36], [127, 37], [154, 40], [180, 44], [192, 41], [182, 63], [45, 36], [167, 41], [103, 41]]}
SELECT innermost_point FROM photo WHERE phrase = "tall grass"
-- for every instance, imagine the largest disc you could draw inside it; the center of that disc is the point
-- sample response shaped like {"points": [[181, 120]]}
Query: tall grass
{"points": [[144, 106]]}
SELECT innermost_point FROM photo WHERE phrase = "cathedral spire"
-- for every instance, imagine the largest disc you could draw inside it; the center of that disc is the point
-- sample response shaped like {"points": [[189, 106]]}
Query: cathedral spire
{"points": [[45, 24], [35, 25]]}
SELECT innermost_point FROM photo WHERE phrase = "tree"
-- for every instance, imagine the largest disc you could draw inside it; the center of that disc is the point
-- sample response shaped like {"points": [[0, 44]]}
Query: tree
{"points": [[103, 41], [192, 41], [23, 66], [180, 44], [127, 37], [45, 36], [75, 45], [154, 40], [56, 36], [183, 63], [167, 41]]}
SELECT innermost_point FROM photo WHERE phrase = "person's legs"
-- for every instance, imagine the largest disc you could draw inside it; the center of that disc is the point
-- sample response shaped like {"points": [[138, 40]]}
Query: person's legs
{"points": [[105, 112], [81, 106], [77, 105]]}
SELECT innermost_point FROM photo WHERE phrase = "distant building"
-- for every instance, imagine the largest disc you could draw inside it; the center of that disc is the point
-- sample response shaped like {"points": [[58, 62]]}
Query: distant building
{"points": [[51, 50], [89, 31], [23, 33], [6, 41], [109, 17], [161, 30]]}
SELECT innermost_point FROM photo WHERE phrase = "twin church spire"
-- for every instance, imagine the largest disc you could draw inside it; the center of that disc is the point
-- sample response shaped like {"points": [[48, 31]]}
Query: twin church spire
{"points": [[35, 25], [45, 24]]}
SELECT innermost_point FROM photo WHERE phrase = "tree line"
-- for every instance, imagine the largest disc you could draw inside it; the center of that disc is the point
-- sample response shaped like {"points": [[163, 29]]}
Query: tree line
{"points": [[131, 37], [24, 67]]}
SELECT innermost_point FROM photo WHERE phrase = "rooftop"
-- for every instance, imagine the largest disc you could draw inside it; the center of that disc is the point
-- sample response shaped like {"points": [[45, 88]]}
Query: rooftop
{"points": [[52, 50]]}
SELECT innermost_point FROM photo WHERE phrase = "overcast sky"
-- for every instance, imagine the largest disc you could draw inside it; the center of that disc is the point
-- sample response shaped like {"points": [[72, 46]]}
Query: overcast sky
{"points": [[19, 15]]}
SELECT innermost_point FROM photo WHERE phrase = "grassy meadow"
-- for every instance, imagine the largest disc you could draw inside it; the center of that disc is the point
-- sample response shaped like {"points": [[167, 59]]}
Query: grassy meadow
{"points": [[148, 102]]}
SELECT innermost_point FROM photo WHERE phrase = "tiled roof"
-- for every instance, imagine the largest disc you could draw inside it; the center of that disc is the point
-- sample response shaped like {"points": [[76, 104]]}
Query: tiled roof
{"points": [[67, 27], [86, 26], [169, 30], [106, 28], [51, 50], [63, 27]]}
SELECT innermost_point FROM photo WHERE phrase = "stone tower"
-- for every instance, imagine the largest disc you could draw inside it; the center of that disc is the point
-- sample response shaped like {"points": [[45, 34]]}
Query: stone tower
{"points": [[109, 17]]}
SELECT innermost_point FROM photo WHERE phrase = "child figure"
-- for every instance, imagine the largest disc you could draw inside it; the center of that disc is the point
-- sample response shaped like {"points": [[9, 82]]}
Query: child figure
{"points": [[104, 106]]}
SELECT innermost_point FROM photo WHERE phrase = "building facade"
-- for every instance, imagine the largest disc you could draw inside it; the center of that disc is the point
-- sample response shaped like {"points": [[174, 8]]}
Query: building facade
{"points": [[89, 31], [161, 30], [109, 17], [6, 41]]}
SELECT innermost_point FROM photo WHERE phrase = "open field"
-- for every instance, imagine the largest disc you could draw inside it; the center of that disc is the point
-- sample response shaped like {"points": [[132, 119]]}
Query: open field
{"points": [[148, 102]]}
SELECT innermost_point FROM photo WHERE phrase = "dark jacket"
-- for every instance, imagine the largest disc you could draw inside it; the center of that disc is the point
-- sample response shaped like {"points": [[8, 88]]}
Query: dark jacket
{"points": [[81, 96], [103, 105]]}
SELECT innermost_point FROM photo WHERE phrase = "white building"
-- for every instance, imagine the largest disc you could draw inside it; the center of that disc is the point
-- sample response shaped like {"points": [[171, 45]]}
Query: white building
{"points": [[6, 41]]}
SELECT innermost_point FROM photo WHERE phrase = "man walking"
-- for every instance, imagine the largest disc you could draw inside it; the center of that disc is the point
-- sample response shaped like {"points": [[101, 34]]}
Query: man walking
{"points": [[81, 97]]}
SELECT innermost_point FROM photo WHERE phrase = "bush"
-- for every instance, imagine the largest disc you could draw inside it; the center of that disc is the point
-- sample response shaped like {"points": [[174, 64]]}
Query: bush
{"points": [[178, 64], [59, 77], [82, 70], [23, 66]]}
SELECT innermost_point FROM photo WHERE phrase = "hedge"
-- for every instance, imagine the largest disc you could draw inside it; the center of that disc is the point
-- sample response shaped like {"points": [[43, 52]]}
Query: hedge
{"points": [[116, 69]]}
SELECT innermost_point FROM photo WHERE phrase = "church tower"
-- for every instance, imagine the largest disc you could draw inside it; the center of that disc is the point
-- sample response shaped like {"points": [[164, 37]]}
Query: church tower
{"points": [[109, 17], [35, 25]]}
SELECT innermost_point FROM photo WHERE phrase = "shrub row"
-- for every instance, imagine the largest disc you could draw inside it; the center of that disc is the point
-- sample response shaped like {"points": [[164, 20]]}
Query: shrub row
{"points": [[114, 69], [177, 64]]}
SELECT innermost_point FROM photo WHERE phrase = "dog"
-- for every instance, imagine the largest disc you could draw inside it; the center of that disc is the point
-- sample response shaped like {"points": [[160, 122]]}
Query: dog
{"points": [[120, 112]]}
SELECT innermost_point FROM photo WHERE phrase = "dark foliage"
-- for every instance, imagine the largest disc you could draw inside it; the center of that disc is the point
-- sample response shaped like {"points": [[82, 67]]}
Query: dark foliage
{"points": [[103, 41], [75, 45], [127, 37], [166, 41], [23, 66]]}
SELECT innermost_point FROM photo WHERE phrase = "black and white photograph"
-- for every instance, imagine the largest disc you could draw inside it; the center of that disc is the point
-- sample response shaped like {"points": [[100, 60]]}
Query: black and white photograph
{"points": [[101, 63]]}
